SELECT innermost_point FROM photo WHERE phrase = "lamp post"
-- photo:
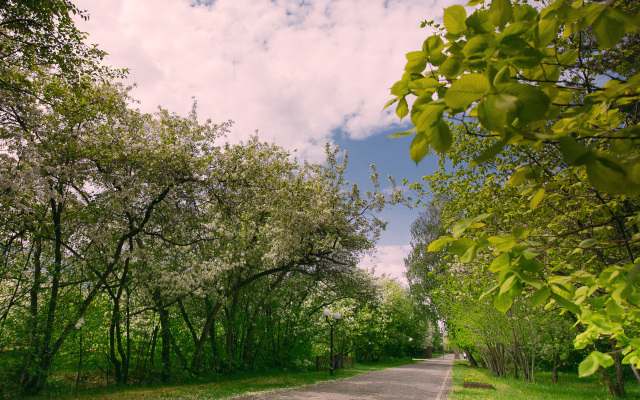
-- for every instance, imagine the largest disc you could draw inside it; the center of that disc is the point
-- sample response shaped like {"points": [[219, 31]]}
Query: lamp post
{"points": [[410, 352], [336, 317]]}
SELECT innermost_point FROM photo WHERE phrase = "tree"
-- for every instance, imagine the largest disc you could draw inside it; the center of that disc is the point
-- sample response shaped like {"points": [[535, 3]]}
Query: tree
{"points": [[515, 79], [424, 267]]}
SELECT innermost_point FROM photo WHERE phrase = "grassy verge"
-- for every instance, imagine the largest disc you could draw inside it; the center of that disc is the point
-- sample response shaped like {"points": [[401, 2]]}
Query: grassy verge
{"points": [[569, 387], [224, 386]]}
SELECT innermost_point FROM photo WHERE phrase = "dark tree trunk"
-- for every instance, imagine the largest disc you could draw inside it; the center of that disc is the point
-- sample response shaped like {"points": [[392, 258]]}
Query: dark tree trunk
{"points": [[120, 364], [618, 364], [165, 336], [613, 389], [556, 365], [37, 368], [472, 361]]}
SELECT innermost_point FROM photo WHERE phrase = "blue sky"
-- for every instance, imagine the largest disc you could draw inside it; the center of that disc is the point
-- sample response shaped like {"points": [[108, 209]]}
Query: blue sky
{"points": [[391, 157], [302, 73]]}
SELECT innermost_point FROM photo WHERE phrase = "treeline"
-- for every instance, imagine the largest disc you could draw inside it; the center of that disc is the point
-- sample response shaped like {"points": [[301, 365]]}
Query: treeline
{"points": [[138, 247]]}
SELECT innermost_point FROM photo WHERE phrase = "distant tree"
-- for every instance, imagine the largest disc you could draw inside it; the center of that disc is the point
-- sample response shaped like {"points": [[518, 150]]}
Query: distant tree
{"points": [[423, 267]]}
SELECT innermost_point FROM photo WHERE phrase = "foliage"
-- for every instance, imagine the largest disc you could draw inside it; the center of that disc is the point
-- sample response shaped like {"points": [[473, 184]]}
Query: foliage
{"points": [[140, 247], [386, 323], [423, 268], [561, 229], [509, 388]]}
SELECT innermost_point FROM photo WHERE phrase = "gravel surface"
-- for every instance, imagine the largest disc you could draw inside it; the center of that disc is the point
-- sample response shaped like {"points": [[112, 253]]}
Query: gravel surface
{"points": [[428, 379]]}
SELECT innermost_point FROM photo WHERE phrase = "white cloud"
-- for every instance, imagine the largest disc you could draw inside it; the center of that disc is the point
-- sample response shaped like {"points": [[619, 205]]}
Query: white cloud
{"points": [[388, 260], [294, 70]]}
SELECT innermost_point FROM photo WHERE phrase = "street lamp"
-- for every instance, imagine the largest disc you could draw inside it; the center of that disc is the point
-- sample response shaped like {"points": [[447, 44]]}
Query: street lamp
{"points": [[410, 352], [336, 317]]}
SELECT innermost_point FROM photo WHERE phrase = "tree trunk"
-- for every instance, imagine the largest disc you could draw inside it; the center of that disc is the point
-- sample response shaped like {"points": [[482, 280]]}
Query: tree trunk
{"points": [[248, 349], [635, 371], [37, 368], [613, 388], [618, 364], [27, 375], [472, 361], [165, 335]]}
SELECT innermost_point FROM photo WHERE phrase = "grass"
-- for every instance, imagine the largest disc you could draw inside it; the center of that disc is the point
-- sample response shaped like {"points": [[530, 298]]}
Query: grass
{"points": [[569, 386], [224, 386]]}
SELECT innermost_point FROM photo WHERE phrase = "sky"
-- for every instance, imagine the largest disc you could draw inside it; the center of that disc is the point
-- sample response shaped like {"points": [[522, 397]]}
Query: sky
{"points": [[302, 73]]}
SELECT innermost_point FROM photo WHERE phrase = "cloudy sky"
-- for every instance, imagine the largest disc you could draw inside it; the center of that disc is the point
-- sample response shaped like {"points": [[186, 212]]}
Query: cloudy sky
{"points": [[301, 72]]}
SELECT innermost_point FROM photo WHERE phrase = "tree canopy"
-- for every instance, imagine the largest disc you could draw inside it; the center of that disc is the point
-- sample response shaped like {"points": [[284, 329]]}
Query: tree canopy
{"points": [[537, 128], [137, 247]]}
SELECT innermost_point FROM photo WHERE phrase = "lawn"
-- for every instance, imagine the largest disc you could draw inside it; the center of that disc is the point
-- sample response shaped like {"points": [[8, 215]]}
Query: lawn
{"points": [[569, 386], [223, 386]]}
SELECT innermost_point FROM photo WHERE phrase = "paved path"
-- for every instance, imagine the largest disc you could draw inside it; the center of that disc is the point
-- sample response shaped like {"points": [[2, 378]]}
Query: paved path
{"points": [[429, 380]]}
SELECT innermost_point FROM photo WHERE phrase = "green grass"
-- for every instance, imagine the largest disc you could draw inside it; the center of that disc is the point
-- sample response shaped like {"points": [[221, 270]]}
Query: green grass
{"points": [[569, 386], [224, 386]]}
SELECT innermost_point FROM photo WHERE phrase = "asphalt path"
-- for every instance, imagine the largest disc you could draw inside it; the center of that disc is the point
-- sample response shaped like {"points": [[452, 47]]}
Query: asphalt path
{"points": [[427, 380]]}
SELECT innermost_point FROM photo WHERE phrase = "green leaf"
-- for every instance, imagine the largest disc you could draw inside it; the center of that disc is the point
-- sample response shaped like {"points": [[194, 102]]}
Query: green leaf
{"points": [[469, 255], [390, 102], [433, 45], [440, 137], [532, 104], [403, 108], [594, 360], [479, 21], [502, 302], [474, 2], [540, 296], [459, 247], [546, 31], [588, 366], [631, 358], [506, 245], [423, 84], [588, 243], [426, 112], [520, 232], [537, 198], [566, 304], [402, 134], [610, 27], [415, 55], [453, 66], [400, 88], [503, 76], [489, 153], [417, 62], [459, 228], [499, 263], [419, 147], [633, 274], [454, 18], [488, 291], [467, 89], [573, 152], [477, 45], [530, 254], [508, 283], [500, 12], [439, 244], [569, 57], [605, 178], [530, 265], [492, 117]]}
